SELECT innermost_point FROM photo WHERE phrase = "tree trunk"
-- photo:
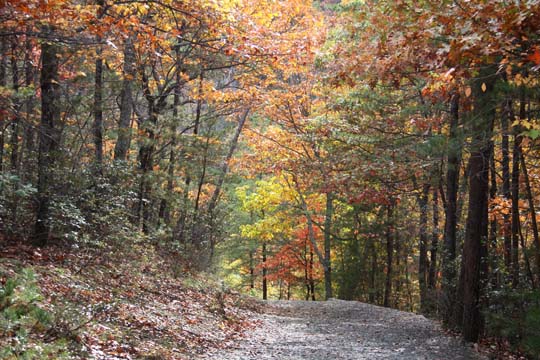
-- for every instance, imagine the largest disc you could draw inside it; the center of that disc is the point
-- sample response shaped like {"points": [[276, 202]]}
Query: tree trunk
{"points": [[329, 213], [225, 164], [14, 141], [98, 115], [493, 224], [516, 156], [324, 259], [49, 137], [181, 224], [389, 255], [532, 212], [264, 273], [422, 260], [505, 164], [432, 279], [306, 270], [3, 81], [146, 158], [311, 278], [475, 234], [476, 231], [373, 272], [126, 103], [251, 271], [28, 139], [288, 291], [164, 211], [450, 225], [2, 137], [223, 172], [197, 223], [526, 258], [145, 166], [515, 213], [197, 232], [397, 276], [98, 101]]}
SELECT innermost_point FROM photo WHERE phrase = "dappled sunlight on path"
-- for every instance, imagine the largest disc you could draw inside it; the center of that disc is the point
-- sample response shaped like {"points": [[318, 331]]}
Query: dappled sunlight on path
{"points": [[339, 329]]}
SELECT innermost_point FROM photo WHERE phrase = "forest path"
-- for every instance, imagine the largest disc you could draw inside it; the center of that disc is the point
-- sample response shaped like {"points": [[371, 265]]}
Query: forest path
{"points": [[338, 329]]}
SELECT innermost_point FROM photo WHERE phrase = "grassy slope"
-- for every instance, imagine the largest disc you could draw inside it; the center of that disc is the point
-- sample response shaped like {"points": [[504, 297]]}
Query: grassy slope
{"points": [[119, 307]]}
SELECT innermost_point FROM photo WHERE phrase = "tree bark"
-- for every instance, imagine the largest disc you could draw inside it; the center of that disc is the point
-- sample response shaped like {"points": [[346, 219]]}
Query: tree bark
{"points": [[450, 226], [532, 212], [251, 270], [526, 258], [422, 259], [98, 101], [3, 72], [311, 278], [264, 273], [493, 224], [476, 231], [373, 272], [28, 139], [397, 276], [432, 278], [516, 158], [323, 260], [505, 164], [515, 214], [223, 172], [306, 270], [98, 115], [164, 211], [329, 213], [389, 255], [197, 224], [49, 137], [197, 232], [126, 103], [225, 164], [181, 225], [14, 141], [146, 157], [2, 137]]}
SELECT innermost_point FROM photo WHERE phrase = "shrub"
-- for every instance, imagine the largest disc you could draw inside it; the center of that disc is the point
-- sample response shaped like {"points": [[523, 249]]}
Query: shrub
{"points": [[16, 198], [514, 315], [24, 323]]}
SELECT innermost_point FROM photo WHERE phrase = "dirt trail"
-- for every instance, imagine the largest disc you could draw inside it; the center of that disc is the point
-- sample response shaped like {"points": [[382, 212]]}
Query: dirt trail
{"points": [[339, 329]]}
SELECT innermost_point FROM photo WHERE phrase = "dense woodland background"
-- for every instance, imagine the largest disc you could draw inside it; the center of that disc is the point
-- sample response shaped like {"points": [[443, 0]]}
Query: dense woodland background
{"points": [[381, 151]]}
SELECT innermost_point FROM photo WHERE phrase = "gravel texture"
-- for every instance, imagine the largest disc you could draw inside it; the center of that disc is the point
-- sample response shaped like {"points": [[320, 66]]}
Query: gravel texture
{"points": [[338, 329]]}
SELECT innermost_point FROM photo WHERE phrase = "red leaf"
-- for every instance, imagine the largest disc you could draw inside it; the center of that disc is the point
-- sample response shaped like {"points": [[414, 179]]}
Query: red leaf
{"points": [[535, 57]]}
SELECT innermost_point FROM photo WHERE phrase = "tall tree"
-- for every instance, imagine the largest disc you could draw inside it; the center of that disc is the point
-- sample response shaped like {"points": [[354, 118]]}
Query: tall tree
{"points": [[515, 176], [450, 226], [98, 99], [389, 255], [49, 134], [126, 102], [476, 231]]}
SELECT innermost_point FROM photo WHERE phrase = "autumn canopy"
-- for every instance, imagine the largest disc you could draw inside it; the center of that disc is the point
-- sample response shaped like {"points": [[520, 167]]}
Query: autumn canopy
{"points": [[380, 151]]}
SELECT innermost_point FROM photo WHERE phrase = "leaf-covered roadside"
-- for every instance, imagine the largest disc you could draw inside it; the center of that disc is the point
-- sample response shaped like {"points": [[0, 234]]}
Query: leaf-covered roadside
{"points": [[80, 306]]}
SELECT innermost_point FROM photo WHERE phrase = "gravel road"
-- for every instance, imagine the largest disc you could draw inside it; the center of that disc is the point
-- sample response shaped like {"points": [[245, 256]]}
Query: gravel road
{"points": [[337, 329]]}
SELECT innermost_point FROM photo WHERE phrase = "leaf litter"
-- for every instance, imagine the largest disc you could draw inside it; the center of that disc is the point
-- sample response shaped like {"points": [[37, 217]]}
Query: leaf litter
{"points": [[113, 307]]}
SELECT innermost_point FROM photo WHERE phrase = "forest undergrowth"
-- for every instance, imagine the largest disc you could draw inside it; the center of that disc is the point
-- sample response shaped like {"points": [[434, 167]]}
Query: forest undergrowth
{"points": [[79, 305]]}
